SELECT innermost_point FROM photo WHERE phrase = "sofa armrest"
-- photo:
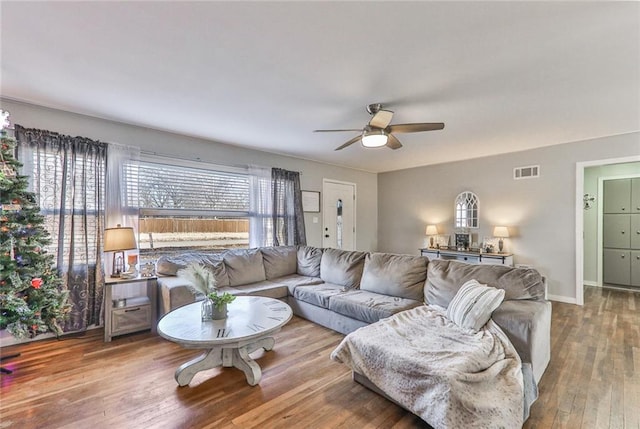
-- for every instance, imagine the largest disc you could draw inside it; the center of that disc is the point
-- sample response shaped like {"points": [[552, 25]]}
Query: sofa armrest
{"points": [[527, 324]]}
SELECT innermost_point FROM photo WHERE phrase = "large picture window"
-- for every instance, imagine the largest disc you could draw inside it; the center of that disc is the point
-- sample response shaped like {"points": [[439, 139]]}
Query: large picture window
{"points": [[186, 207]]}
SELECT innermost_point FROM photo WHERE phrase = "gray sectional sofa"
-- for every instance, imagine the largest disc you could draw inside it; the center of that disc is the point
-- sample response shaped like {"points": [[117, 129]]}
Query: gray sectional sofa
{"points": [[345, 290]]}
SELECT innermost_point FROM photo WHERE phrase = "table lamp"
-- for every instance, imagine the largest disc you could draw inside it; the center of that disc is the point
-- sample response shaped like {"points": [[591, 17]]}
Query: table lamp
{"points": [[500, 232], [118, 240], [430, 232]]}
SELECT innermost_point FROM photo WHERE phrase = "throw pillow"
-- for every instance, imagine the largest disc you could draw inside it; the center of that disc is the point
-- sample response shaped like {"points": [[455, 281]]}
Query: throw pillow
{"points": [[472, 306]]}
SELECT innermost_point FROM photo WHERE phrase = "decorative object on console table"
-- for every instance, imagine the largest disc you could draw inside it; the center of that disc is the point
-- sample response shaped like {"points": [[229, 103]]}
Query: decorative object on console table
{"points": [[118, 240], [430, 232], [501, 232]]}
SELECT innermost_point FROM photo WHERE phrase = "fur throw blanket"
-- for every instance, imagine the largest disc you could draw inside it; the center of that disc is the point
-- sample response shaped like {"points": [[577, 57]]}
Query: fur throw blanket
{"points": [[449, 376]]}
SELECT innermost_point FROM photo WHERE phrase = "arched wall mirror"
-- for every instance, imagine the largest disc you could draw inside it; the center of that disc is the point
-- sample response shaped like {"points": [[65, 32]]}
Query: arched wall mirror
{"points": [[466, 210]]}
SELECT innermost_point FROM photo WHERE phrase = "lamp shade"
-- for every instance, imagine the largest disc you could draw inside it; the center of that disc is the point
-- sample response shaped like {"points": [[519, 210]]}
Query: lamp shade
{"points": [[501, 232], [431, 230], [119, 239]]}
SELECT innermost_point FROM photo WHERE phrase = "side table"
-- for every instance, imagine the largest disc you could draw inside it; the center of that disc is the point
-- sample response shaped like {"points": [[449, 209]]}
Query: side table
{"points": [[136, 313]]}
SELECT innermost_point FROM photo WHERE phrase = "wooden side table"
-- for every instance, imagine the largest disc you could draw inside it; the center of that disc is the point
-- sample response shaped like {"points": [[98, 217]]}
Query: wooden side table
{"points": [[132, 313]]}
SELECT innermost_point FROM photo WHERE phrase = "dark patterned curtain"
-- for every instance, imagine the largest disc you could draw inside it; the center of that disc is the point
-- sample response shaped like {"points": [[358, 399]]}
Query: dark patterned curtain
{"points": [[68, 177], [287, 215]]}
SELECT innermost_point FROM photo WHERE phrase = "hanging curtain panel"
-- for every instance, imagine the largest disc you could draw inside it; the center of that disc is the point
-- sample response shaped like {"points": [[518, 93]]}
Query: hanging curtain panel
{"points": [[287, 214], [67, 174]]}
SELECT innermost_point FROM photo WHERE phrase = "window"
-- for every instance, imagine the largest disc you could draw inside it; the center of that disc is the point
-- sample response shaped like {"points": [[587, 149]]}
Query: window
{"points": [[187, 207]]}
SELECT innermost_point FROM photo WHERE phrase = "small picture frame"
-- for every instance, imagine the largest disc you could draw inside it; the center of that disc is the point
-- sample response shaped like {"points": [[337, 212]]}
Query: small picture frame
{"points": [[311, 201], [463, 241]]}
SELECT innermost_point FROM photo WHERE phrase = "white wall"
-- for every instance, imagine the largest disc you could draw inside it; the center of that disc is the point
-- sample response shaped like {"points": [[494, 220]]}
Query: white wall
{"points": [[591, 178], [164, 143], [540, 212]]}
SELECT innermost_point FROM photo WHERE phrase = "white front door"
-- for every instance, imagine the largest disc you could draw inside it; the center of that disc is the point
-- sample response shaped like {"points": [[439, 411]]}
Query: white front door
{"points": [[338, 215]]}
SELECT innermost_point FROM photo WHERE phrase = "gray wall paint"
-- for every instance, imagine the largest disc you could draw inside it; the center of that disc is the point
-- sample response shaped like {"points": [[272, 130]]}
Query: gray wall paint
{"points": [[591, 178], [540, 213], [164, 143]]}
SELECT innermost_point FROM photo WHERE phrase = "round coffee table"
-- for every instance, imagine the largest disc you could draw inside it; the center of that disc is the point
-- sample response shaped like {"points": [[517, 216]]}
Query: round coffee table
{"points": [[249, 325]]}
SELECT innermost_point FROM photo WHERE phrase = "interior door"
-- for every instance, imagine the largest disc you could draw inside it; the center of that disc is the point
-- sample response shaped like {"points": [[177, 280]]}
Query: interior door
{"points": [[338, 215]]}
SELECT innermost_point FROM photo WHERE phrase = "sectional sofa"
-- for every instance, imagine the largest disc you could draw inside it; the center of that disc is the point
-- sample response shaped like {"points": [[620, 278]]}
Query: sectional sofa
{"points": [[346, 290]]}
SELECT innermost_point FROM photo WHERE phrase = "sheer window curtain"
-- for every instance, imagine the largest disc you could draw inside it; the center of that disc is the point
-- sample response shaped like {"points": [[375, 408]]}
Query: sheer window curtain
{"points": [[68, 177], [122, 197], [260, 207]]}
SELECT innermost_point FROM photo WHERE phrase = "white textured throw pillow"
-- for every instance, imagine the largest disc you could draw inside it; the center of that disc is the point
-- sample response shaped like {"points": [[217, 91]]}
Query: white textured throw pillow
{"points": [[473, 305]]}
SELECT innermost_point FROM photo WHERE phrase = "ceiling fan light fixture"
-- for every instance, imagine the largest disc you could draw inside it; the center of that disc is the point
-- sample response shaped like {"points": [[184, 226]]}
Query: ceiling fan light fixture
{"points": [[374, 138]]}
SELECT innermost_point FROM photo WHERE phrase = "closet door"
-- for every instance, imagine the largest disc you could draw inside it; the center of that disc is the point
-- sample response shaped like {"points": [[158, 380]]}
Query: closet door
{"points": [[635, 268], [615, 231], [635, 195], [617, 266], [635, 231], [617, 196]]}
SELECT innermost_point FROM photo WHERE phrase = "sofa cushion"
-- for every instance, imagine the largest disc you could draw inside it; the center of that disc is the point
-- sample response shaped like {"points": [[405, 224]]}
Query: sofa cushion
{"points": [[396, 275], [244, 266], [264, 288], [308, 259], [318, 294], [342, 267], [279, 261], [369, 306], [169, 265], [294, 280], [444, 278], [473, 304]]}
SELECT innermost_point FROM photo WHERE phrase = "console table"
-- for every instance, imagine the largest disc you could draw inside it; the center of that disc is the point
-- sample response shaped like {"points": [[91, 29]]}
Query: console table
{"points": [[469, 256]]}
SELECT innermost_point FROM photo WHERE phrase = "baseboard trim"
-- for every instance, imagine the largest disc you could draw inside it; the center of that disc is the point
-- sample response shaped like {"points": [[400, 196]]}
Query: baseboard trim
{"points": [[590, 283], [560, 298]]}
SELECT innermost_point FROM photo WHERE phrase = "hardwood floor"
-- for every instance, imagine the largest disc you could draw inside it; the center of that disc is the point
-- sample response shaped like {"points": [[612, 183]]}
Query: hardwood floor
{"points": [[593, 380]]}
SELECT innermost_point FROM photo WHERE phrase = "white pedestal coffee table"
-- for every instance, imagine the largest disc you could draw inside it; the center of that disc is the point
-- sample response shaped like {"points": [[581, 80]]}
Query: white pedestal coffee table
{"points": [[249, 325]]}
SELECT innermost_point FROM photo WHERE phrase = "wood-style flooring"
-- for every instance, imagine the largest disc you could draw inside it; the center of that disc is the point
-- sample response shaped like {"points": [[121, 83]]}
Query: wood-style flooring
{"points": [[593, 380]]}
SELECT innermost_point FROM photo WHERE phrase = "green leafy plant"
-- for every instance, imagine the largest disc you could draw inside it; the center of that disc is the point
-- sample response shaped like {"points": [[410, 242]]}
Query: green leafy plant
{"points": [[221, 300], [203, 281]]}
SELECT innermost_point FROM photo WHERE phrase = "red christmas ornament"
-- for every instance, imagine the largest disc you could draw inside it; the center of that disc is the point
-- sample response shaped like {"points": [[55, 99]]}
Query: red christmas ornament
{"points": [[36, 282], [34, 327], [16, 201]]}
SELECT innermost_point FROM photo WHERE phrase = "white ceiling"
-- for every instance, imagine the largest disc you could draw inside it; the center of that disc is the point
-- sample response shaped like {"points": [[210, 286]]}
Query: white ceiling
{"points": [[503, 76]]}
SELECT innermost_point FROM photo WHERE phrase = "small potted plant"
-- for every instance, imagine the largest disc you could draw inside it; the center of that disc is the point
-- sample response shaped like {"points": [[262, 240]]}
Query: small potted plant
{"points": [[203, 281]]}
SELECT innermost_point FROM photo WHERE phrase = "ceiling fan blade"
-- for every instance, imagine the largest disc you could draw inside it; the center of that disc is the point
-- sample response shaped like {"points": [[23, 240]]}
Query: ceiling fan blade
{"points": [[381, 119], [414, 128], [350, 142], [393, 142], [336, 131]]}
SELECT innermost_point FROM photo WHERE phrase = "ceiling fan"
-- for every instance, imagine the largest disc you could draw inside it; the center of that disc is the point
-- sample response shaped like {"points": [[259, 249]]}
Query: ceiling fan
{"points": [[378, 132]]}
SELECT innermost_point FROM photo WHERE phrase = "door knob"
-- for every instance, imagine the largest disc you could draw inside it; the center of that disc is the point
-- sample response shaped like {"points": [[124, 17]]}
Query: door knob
{"points": [[326, 236]]}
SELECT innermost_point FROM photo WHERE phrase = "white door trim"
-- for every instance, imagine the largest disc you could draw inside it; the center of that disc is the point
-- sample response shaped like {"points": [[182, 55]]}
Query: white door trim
{"points": [[355, 199], [580, 166]]}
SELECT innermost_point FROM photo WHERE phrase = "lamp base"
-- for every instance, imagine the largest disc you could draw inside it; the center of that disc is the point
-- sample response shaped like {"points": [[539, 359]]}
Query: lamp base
{"points": [[500, 246]]}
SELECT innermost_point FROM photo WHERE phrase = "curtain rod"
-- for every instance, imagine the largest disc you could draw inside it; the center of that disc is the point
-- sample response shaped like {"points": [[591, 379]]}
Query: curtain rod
{"points": [[197, 159]]}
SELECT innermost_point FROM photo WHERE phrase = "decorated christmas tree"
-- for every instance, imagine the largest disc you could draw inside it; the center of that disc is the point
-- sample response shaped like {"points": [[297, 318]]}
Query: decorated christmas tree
{"points": [[31, 297]]}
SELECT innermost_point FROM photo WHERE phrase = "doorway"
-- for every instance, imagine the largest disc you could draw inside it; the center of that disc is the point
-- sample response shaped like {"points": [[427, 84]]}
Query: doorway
{"points": [[580, 217], [338, 214]]}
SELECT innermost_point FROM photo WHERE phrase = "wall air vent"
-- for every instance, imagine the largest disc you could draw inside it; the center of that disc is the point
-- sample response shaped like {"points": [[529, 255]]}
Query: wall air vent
{"points": [[528, 172]]}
